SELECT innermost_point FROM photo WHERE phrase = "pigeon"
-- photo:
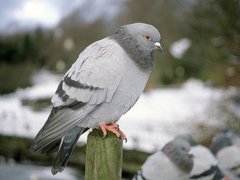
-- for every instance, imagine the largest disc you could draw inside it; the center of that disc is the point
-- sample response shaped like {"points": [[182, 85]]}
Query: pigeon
{"points": [[103, 84], [228, 156], [173, 161], [205, 165]]}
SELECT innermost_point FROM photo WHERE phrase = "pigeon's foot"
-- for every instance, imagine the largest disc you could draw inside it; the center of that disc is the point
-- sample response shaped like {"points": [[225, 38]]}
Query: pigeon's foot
{"points": [[226, 178], [113, 128]]}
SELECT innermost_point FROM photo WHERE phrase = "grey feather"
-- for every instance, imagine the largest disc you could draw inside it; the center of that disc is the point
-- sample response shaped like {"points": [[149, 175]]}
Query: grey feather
{"points": [[69, 142], [56, 125], [102, 85], [52, 147]]}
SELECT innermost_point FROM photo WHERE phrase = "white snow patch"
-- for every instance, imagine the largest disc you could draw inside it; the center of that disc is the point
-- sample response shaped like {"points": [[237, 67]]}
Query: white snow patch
{"points": [[178, 48]]}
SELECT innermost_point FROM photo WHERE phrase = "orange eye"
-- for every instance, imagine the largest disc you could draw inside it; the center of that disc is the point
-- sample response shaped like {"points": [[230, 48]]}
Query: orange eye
{"points": [[148, 37]]}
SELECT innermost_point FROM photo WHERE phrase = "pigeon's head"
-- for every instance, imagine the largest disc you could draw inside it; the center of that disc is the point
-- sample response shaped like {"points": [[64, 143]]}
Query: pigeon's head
{"points": [[139, 40], [178, 151], [146, 35], [220, 142]]}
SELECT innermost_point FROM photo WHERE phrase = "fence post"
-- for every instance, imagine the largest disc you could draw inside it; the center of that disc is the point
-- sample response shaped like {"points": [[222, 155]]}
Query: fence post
{"points": [[103, 156]]}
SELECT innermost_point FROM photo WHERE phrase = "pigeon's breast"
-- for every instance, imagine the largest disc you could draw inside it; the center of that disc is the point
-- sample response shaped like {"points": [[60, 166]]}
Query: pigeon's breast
{"points": [[158, 166], [132, 84]]}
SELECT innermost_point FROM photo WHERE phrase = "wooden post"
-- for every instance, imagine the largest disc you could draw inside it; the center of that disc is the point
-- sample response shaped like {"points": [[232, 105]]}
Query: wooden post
{"points": [[103, 156]]}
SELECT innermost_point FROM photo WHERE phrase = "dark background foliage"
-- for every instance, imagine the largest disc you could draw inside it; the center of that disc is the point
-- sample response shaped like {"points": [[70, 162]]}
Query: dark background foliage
{"points": [[212, 27]]}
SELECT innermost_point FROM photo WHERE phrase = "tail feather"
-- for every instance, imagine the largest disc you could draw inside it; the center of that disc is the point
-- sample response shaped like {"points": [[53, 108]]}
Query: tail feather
{"points": [[67, 146], [60, 121], [52, 147]]}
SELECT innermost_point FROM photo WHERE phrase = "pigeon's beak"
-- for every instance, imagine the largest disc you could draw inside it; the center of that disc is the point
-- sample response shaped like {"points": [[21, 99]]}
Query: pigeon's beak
{"points": [[190, 154], [158, 46]]}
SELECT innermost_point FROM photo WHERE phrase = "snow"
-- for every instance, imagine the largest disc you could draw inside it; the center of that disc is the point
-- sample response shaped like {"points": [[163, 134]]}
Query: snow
{"points": [[178, 48], [152, 122]]}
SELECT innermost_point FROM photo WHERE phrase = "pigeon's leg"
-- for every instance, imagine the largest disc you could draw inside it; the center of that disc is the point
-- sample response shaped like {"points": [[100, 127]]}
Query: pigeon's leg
{"points": [[113, 128]]}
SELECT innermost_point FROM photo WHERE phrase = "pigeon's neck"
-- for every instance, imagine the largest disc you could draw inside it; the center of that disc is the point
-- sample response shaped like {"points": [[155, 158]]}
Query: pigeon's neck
{"points": [[143, 58], [180, 159], [183, 162]]}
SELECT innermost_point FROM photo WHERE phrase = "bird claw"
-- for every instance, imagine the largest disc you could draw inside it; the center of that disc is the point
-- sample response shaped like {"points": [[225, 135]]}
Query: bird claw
{"points": [[123, 135], [114, 128]]}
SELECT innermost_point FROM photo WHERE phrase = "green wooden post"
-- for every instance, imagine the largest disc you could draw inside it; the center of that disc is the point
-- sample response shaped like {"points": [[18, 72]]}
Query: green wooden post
{"points": [[103, 156]]}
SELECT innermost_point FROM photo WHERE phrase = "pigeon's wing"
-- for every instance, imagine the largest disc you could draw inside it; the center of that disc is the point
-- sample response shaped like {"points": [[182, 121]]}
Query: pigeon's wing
{"points": [[91, 80], [94, 77]]}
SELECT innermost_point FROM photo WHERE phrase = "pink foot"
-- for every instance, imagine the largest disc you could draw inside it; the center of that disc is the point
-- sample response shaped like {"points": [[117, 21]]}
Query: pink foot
{"points": [[113, 128]]}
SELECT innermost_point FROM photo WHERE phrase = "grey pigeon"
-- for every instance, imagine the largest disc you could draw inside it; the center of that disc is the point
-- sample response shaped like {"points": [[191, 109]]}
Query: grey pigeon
{"points": [[102, 85], [173, 162], [205, 165], [228, 156]]}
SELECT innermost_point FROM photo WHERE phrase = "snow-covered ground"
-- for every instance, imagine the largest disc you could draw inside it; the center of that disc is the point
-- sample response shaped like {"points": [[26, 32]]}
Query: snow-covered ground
{"points": [[154, 120]]}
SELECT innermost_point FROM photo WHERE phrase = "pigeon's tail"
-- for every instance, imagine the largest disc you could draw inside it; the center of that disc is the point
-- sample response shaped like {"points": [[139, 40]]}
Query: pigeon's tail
{"points": [[68, 143]]}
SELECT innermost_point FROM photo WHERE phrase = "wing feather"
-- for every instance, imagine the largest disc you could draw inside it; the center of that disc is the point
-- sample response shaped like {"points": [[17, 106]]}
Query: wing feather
{"points": [[96, 70], [60, 121]]}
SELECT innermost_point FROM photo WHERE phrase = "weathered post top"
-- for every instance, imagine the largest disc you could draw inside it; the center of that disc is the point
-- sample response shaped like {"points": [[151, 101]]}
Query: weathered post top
{"points": [[103, 156]]}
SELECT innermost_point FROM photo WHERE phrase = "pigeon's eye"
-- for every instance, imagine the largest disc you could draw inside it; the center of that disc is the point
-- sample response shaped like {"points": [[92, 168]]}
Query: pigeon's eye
{"points": [[183, 149], [148, 37]]}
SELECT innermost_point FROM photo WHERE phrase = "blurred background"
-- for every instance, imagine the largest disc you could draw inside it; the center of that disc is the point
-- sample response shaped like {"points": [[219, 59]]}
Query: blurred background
{"points": [[190, 90]]}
